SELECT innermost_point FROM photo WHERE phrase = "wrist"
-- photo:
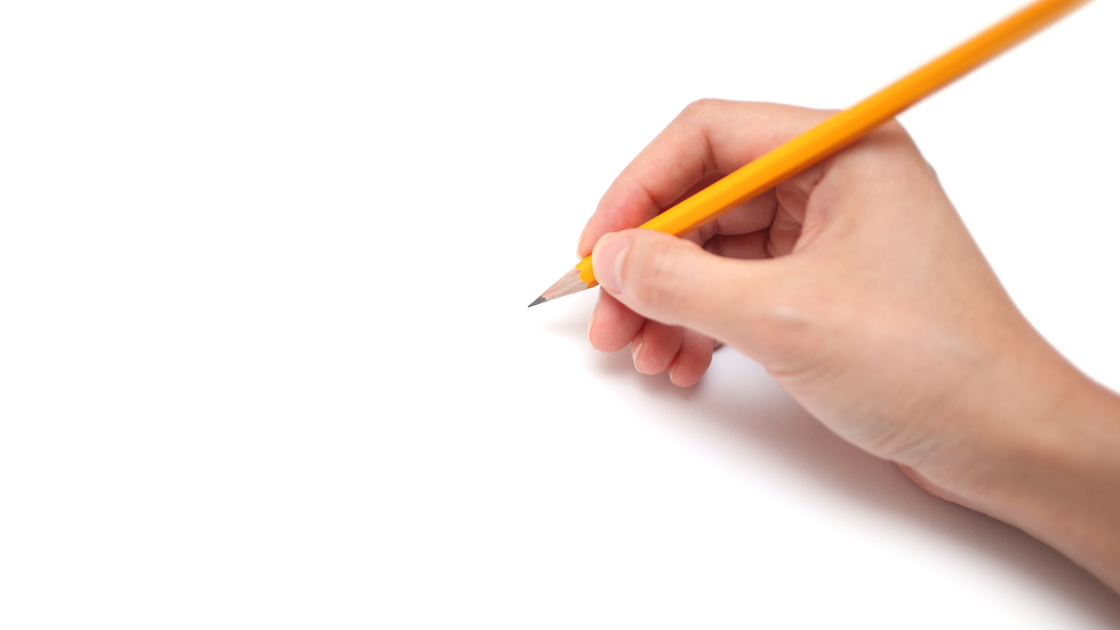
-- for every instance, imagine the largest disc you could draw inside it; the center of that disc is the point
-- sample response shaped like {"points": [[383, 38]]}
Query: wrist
{"points": [[1041, 451], [1071, 498]]}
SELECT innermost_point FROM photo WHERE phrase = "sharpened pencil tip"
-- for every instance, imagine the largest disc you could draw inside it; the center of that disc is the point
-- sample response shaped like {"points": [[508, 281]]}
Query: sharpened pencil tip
{"points": [[568, 284]]}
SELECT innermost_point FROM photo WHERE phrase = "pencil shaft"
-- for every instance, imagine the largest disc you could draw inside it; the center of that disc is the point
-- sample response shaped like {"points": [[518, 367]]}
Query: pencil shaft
{"points": [[847, 126], [837, 131]]}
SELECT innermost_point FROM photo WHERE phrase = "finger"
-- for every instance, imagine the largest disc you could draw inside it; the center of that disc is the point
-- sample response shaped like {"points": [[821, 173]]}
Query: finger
{"points": [[744, 246], [612, 326], [693, 359], [673, 281], [708, 136], [656, 347], [756, 214]]}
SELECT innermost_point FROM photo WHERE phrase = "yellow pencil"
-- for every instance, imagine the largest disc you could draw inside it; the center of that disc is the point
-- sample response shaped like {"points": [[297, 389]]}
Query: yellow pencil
{"points": [[833, 134]]}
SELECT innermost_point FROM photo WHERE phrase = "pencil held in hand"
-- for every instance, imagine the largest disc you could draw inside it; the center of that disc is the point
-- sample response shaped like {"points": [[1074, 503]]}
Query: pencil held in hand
{"points": [[833, 134]]}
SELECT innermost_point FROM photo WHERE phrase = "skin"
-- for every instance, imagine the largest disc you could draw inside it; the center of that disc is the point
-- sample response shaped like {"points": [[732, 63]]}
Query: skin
{"points": [[858, 287]]}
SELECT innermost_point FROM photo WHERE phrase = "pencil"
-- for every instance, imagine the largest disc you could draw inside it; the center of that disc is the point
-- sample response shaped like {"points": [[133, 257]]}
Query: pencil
{"points": [[833, 134]]}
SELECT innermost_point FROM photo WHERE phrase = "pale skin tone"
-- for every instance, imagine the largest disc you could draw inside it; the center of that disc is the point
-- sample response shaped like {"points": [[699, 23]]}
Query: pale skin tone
{"points": [[858, 287]]}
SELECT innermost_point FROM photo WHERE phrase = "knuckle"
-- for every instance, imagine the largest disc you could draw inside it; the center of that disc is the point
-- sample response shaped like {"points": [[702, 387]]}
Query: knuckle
{"points": [[700, 108], [888, 148], [893, 128], [894, 137]]}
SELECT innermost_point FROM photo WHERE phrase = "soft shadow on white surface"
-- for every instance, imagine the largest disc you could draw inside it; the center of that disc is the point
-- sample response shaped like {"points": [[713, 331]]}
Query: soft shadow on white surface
{"points": [[762, 415]]}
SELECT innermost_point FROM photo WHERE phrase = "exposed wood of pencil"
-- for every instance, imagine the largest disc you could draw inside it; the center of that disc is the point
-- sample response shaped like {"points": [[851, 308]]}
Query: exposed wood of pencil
{"points": [[566, 285], [838, 131]]}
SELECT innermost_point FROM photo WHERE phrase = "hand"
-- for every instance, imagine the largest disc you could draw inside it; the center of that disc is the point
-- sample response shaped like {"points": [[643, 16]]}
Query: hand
{"points": [[857, 286], [856, 283]]}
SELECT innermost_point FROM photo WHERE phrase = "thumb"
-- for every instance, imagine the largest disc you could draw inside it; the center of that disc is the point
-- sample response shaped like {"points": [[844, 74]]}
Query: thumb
{"points": [[674, 281]]}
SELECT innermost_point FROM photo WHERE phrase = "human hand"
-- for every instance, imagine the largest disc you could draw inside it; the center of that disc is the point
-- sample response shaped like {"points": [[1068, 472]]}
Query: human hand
{"points": [[856, 284]]}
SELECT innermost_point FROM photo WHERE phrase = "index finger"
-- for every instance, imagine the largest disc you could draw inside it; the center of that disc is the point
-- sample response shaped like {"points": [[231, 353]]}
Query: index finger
{"points": [[709, 136]]}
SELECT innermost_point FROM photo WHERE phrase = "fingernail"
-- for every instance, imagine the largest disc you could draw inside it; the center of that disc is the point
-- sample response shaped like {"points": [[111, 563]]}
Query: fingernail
{"points": [[607, 259], [580, 241]]}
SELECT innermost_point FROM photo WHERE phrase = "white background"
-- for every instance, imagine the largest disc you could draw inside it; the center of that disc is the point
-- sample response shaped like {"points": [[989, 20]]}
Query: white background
{"points": [[265, 359]]}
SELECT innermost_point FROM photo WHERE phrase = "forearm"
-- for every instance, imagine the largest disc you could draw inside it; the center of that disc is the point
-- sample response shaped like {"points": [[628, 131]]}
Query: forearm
{"points": [[1072, 501], [1046, 458]]}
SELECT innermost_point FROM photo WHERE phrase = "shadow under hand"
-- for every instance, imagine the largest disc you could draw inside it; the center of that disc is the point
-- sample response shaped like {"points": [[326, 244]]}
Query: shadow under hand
{"points": [[740, 399]]}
